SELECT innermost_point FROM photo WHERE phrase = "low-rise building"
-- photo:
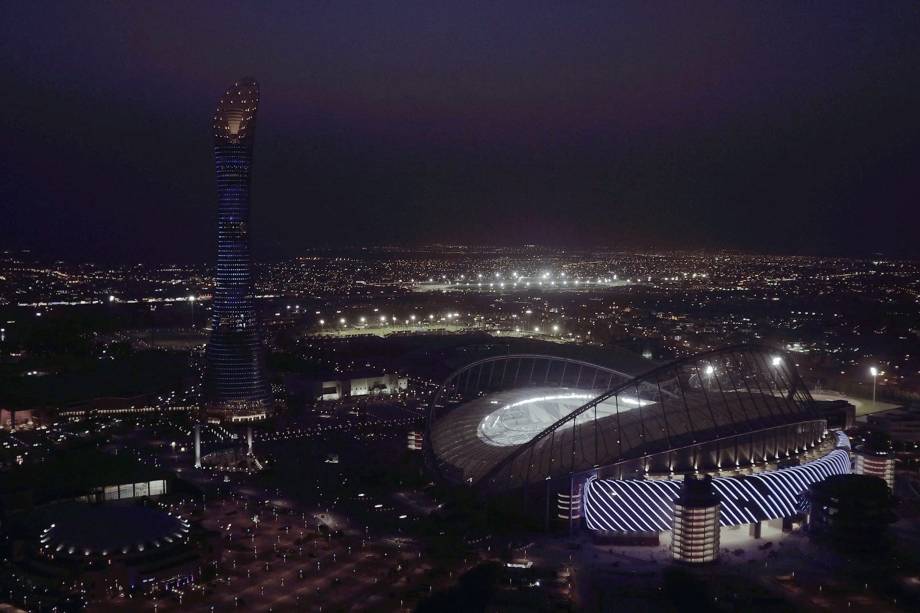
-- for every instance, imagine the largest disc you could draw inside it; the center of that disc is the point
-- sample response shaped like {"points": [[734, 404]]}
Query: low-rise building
{"points": [[329, 386], [851, 511], [901, 425]]}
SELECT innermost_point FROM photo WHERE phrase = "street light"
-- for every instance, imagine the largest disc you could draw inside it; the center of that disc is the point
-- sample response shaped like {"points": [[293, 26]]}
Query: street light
{"points": [[875, 373]]}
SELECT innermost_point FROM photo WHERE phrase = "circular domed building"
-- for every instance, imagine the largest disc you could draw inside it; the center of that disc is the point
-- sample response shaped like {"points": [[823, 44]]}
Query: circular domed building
{"points": [[85, 531], [115, 547]]}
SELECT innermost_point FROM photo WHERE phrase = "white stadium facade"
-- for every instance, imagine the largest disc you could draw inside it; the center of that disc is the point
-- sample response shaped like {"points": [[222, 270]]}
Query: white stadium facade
{"points": [[610, 446]]}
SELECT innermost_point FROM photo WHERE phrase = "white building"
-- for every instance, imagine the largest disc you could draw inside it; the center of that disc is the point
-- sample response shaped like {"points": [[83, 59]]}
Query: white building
{"points": [[373, 385]]}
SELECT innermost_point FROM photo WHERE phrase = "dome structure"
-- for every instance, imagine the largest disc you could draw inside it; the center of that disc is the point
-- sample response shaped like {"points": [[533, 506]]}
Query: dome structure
{"points": [[87, 531]]}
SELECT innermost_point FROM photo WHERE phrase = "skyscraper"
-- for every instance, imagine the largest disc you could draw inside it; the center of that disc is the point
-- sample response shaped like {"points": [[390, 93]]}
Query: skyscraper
{"points": [[237, 388]]}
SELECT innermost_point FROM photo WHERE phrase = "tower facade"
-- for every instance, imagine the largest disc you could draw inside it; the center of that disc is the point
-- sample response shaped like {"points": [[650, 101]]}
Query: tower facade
{"points": [[238, 390], [876, 458], [876, 464], [695, 534]]}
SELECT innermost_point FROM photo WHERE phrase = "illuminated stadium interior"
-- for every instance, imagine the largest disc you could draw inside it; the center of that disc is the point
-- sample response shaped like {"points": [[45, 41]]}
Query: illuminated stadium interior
{"points": [[521, 415]]}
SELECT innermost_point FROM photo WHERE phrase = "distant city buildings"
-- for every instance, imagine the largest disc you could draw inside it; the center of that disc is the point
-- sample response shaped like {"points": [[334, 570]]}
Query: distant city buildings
{"points": [[237, 387], [673, 303]]}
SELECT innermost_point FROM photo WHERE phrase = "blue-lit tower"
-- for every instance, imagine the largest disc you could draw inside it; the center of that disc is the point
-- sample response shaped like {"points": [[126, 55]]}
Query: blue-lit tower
{"points": [[237, 387]]}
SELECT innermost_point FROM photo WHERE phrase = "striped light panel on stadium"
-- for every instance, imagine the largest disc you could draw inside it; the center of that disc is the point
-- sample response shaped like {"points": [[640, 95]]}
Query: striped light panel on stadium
{"points": [[630, 505]]}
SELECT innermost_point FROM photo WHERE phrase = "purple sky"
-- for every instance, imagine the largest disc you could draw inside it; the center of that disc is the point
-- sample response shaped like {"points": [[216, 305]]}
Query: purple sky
{"points": [[774, 126]]}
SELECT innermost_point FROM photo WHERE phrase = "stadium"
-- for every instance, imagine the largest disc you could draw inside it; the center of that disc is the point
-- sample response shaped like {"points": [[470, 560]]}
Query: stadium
{"points": [[611, 445]]}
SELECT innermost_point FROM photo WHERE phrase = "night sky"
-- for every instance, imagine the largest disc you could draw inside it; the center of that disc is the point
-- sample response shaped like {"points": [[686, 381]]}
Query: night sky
{"points": [[781, 127]]}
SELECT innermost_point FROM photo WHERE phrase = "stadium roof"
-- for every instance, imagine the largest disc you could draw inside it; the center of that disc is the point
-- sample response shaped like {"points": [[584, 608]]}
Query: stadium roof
{"points": [[84, 529], [524, 418]]}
